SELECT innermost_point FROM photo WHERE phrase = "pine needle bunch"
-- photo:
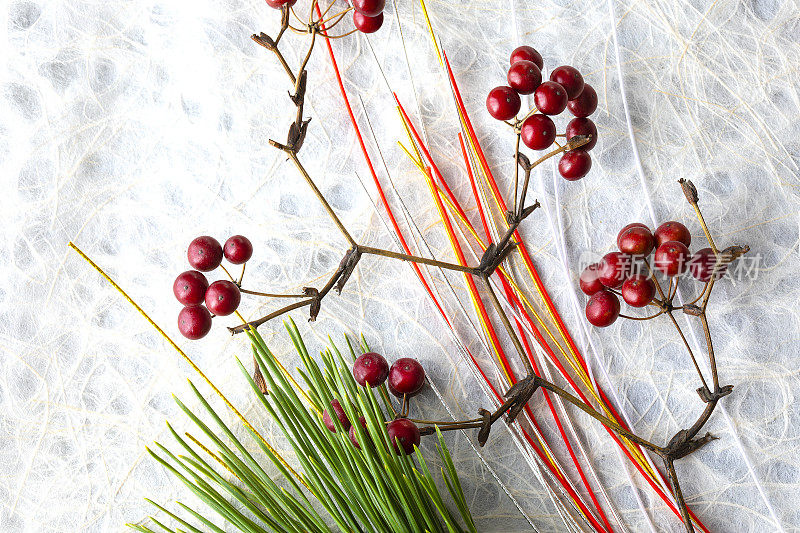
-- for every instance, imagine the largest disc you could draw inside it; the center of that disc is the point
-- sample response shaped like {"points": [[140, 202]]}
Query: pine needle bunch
{"points": [[341, 487]]}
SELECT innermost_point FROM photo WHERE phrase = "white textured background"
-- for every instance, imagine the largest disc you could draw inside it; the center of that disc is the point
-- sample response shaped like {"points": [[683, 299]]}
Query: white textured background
{"points": [[133, 126]]}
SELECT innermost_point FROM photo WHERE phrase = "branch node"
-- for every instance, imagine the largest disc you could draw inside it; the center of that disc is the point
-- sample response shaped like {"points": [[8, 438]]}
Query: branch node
{"points": [[681, 445], [296, 136], [524, 162], [346, 267], [313, 310], [299, 95], [708, 396], [265, 40], [486, 426], [692, 309]]}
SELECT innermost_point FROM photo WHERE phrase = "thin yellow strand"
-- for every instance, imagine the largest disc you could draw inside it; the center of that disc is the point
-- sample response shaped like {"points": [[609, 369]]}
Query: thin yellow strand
{"points": [[434, 189], [188, 360], [212, 454]]}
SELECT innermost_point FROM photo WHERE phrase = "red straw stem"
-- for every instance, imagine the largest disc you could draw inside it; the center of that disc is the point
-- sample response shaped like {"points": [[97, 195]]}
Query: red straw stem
{"points": [[462, 261], [529, 263]]}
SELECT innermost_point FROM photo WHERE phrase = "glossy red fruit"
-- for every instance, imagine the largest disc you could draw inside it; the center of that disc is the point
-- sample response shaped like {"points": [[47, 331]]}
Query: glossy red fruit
{"points": [[405, 432], [538, 132], [406, 376], [524, 76], [352, 433], [277, 4], [370, 8], [527, 53], [702, 265], [574, 164], [190, 287], [223, 297], [337, 409], [366, 24], [550, 98], [602, 310], [503, 103], [582, 126], [204, 253], [672, 231], [370, 368], [614, 268], [238, 249], [638, 290], [636, 240], [672, 258], [569, 78], [590, 279], [194, 322], [585, 104]]}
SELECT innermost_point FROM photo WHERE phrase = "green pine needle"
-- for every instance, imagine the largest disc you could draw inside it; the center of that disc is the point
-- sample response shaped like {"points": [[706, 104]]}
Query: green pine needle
{"points": [[341, 487]]}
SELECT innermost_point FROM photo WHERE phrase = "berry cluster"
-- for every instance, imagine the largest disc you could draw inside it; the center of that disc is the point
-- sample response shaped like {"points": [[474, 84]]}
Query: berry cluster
{"points": [[191, 288], [623, 273], [367, 14], [565, 90], [405, 379]]}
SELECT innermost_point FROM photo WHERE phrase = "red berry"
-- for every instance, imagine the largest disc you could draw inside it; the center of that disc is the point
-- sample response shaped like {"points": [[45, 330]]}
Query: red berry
{"points": [[238, 249], [370, 368], [337, 409], [569, 78], [370, 8], [590, 279], [672, 258], [406, 376], [614, 268], [672, 231], [538, 132], [638, 290], [194, 322], [550, 98], [503, 103], [205, 253], [702, 265], [602, 309], [524, 76], [190, 287], [636, 240], [352, 433], [575, 164], [585, 104], [367, 24], [277, 4], [404, 432], [527, 53], [223, 297], [582, 126]]}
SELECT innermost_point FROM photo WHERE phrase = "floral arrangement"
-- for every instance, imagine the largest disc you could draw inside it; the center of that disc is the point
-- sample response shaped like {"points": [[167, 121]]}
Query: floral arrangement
{"points": [[340, 421]]}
